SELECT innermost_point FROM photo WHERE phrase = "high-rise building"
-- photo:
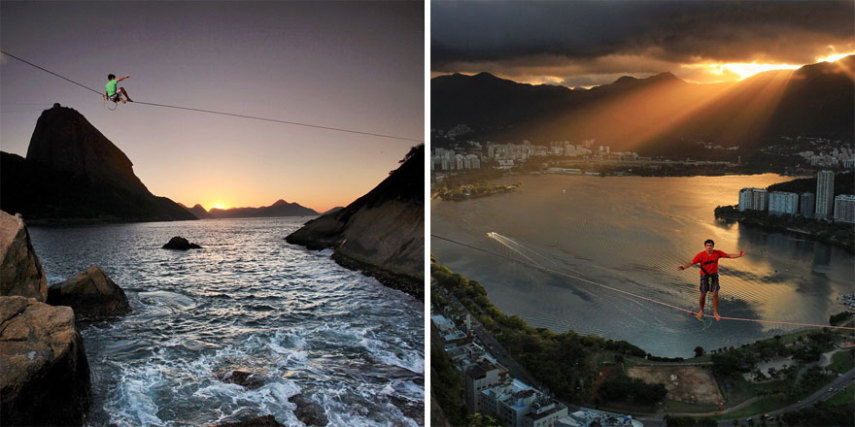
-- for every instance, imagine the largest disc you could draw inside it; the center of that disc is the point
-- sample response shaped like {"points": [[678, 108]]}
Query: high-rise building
{"points": [[746, 199], [844, 208], [761, 199], [806, 202], [783, 203], [824, 194]]}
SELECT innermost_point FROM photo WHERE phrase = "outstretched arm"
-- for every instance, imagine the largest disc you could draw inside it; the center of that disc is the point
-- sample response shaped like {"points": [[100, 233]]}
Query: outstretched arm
{"points": [[127, 76], [741, 253], [685, 266]]}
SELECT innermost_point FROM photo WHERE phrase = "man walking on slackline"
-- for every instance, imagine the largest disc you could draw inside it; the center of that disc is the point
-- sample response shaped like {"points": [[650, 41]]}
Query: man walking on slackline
{"points": [[708, 261]]}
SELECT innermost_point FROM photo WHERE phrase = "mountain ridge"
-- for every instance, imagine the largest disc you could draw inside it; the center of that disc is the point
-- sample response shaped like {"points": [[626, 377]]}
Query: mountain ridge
{"points": [[660, 114], [74, 174]]}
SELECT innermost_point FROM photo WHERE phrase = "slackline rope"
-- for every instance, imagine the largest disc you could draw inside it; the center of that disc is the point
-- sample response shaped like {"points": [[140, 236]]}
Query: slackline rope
{"points": [[222, 113], [655, 301]]}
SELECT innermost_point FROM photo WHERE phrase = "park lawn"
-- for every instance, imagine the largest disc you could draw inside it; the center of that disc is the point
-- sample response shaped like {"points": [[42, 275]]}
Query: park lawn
{"points": [[743, 390], [841, 362], [845, 397], [675, 407]]}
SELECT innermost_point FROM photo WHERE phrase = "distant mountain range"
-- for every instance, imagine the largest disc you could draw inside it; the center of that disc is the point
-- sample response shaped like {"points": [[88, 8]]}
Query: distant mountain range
{"points": [[660, 114], [279, 208], [74, 174]]}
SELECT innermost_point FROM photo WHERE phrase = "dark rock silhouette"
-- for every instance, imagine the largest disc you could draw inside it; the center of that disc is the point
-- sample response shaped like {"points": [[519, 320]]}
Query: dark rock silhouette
{"points": [[279, 208], [198, 211], [382, 232], [90, 294], [265, 421], [181, 244], [246, 379], [74, 174], [44, 374], [309, 412], [21, 272], [65, 141]]}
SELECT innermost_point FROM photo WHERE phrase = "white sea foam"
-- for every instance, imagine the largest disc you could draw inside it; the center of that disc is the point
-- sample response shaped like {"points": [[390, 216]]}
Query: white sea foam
{"points": [[133, 404], [304, 325]]}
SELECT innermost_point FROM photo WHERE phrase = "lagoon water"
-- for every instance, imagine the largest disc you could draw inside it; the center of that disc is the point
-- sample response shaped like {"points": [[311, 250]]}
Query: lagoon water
{"points": [[247, 301], [631, 233]]}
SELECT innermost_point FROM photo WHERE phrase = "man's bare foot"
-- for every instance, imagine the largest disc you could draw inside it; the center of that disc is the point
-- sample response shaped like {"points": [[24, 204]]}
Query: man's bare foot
{"points": [[699, 315], [717, 317], [123, 101], [130, 100]]}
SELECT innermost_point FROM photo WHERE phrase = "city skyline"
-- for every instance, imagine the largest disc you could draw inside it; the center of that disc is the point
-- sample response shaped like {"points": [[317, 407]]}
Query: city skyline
{"points": [[297, 62]]}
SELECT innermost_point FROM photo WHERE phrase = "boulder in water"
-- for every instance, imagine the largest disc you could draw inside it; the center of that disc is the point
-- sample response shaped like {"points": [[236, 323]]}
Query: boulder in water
{"points": [[44, 374], [181, 244], [265, 421], [91, 294], [20, 270], [309, 412], [246, 379]]}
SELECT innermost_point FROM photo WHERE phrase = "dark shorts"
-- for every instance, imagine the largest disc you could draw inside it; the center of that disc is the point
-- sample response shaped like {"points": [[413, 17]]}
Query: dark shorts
{"points": [[115, 97], [709, 283]]}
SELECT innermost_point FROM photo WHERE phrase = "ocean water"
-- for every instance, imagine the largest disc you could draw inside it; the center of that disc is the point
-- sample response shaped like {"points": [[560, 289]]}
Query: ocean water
{"points": [[247, 301], [631, 233]]}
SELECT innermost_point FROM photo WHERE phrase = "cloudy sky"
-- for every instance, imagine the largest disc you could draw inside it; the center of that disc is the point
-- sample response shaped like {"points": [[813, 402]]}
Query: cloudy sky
{"points": [[584, 43], [353, 66]]}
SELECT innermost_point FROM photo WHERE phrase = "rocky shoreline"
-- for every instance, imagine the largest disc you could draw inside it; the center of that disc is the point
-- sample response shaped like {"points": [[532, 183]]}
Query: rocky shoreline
{"points": [[44, 373], [45, 377], [380, 234]]}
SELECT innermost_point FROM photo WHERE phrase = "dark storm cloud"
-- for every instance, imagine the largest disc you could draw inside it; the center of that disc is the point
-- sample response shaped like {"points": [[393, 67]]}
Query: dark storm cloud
{"points": [[786, 31]]}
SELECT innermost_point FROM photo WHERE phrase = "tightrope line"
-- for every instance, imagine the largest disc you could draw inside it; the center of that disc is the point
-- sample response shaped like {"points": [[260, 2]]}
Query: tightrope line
{"points": [[222, 113], [655, 301]]}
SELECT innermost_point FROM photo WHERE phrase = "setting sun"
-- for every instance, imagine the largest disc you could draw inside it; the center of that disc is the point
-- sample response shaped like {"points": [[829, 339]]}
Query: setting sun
{"points": [[835, 57], [737, 71]]}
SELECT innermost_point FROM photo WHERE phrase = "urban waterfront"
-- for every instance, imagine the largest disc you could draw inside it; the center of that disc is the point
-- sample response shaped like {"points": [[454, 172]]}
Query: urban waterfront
{"points": [[631, 233]]}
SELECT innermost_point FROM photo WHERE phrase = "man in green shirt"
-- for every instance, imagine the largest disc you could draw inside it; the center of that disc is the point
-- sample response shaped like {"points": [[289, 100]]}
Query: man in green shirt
{"points": [[113, 93]]}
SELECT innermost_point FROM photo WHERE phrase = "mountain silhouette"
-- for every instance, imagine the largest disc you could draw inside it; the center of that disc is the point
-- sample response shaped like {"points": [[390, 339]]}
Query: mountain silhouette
{"points": [[656, 115], [278, 208], [73, 173]]}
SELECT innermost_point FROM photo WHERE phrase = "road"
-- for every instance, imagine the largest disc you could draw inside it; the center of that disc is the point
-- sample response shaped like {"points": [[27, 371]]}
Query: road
{"points": [[838, 384]]}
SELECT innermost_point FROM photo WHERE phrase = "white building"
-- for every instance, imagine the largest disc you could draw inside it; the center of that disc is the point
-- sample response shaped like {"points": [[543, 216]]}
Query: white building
{"points": [[592, 417], [544, 413], [471, 161], [783, 203], [458, 162], [824, 194], [514, 403], [442, 323], [806, 204], [761, 199], [844, 208], [746, 199], [479, 377]]}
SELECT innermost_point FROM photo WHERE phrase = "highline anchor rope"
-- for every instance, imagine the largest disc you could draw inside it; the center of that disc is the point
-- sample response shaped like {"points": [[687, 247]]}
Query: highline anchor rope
{"points": [[655, 301], [222, 113]]}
